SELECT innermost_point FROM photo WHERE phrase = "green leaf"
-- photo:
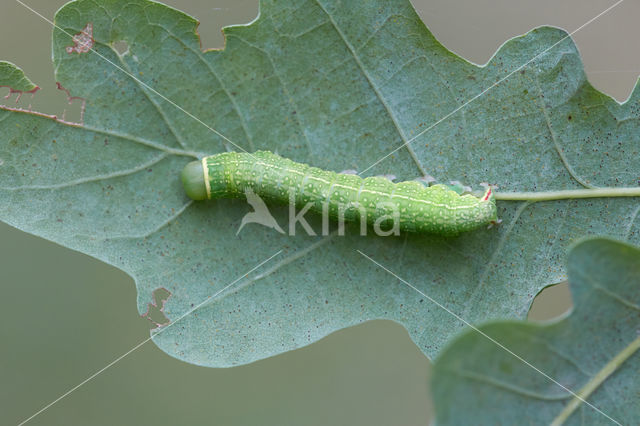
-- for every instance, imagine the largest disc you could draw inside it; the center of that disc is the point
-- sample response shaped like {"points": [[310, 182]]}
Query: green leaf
{"points": [[338, 85], [13, 77], [593, 352]]}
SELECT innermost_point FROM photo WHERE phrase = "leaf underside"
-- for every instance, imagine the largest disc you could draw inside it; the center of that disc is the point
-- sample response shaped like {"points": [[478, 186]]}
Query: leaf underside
{"points": [[337, 85], [476, 381]]}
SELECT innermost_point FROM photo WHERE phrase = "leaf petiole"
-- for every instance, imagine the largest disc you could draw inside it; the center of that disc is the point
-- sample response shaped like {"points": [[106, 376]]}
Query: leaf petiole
{"points": [[568, 194]]}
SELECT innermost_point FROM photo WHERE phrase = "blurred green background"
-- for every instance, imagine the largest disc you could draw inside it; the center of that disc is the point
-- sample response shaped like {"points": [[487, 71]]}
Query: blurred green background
{"points": [[65, 316]]}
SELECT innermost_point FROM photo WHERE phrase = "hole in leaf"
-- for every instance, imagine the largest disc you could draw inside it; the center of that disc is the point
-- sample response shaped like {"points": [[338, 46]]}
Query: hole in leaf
{"points": [[218, 17], [74, 112], [121, 46], [155, 309], [551, 302]]}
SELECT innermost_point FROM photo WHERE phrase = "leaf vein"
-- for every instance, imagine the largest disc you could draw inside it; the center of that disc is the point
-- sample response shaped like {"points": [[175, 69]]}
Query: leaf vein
{"points": [[375, 89], [97, 178], [236, 108], [494, 257], [153, 102], [632, 219], [286, 92], [151, 232], [554, 138], [285, 261], [505, 386]]}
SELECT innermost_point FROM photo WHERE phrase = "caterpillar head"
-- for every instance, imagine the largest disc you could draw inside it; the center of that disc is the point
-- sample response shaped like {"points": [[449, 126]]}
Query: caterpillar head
{"points": [[193, 181]]}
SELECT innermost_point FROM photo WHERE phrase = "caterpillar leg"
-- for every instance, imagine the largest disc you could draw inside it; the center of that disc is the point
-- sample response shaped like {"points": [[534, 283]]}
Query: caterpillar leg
{"points": [[495, 223], [427, 180], [457, 186]]}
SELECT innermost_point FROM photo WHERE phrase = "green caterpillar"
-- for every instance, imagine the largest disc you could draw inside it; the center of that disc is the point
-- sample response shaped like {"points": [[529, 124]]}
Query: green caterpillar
{"points": [[417, 208]]}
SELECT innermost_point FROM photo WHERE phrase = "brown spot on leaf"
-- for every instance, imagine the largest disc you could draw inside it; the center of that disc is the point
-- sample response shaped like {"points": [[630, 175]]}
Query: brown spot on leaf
{"points": [[32, 92], [83, 41]]}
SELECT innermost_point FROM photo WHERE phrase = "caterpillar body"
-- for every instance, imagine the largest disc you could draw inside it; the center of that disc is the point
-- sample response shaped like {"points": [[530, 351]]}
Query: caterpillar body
{"points": [[418, 208]]}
